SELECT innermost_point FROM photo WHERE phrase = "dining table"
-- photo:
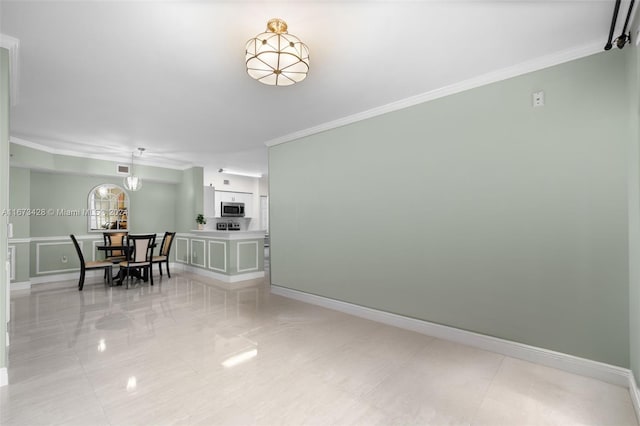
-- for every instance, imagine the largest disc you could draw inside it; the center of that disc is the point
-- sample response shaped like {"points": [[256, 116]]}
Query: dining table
{"points": [[126, 249]]}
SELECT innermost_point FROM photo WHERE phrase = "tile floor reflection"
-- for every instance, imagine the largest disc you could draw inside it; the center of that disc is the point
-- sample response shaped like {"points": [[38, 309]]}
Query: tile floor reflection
{"points": [[194, 351]]}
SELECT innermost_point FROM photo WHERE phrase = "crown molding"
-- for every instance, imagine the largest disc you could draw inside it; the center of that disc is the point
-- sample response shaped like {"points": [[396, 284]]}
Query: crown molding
{"points": [[482, 80], [105, 157], [13, 46]]}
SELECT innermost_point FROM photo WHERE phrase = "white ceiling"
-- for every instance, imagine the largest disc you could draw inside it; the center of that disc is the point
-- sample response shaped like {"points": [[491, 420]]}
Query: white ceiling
{"points": [[106, 77]]}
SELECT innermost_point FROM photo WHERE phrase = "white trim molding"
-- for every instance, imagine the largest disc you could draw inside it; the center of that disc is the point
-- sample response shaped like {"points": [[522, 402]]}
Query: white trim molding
{"points": [[19, 240], [38, 272], [13, 46], [178, 239], [253, 268], [66, 238], [204, 253], [12, 259], [472, 83], [113, 157], [224, 249], [570, 363]]}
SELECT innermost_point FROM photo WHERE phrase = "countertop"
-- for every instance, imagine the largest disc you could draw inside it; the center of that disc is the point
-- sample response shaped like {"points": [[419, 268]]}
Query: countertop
{"points": [[229, 235]]}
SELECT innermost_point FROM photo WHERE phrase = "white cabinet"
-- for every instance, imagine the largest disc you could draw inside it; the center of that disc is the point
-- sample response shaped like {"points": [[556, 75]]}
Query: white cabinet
{"points": [[234, 197], [209, 202]]}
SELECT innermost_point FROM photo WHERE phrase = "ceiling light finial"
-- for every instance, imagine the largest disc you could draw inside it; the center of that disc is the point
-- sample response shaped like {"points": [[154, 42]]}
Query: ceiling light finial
{"points": [[277, 58], [277, 25]]}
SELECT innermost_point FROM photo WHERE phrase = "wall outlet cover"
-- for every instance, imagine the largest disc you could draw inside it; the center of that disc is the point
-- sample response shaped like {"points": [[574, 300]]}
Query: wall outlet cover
{"points": [[538, 99]]}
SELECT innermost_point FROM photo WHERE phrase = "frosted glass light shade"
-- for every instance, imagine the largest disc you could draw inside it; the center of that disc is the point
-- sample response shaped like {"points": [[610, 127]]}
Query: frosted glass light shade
{"points": [[133, 183], [276, 57]]}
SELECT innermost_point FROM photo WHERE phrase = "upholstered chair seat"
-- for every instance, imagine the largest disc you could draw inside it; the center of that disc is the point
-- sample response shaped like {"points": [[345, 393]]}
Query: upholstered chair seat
{"points": [[89, 265]]}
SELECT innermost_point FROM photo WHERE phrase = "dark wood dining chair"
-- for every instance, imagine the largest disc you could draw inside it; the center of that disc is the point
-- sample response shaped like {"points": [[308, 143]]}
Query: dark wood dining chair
{"points": [[85, 266], [139, 256], [114, 239], [165, 249]]}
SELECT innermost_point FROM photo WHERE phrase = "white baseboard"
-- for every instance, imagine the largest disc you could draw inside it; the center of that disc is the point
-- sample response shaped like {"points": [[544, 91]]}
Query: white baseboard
{"points": [[573, 364], [21, 285], [4, 377], [69, 276], [64, 277], [43, 279], [635, 394], [223, 277]]}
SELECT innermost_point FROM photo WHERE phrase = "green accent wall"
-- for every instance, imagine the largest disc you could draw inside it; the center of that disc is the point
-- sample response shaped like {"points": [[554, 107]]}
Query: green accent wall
{"points": [[475, 210], [19, 197], [633, 74], [4, 196], [152, 209], [190, 199]]}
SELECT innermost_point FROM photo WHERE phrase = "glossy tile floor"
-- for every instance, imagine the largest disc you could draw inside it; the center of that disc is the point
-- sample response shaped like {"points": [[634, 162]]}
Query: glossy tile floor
{"points": [[193, 351]]}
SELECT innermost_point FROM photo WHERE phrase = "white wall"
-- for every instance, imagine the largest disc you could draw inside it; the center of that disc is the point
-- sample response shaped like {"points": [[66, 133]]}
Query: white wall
{"points": [[238, 184], [264, 186]]}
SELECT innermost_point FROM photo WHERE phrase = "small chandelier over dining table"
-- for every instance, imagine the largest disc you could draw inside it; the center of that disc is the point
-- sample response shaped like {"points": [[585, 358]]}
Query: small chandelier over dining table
{"points": [[133, 182], [277, 58]]}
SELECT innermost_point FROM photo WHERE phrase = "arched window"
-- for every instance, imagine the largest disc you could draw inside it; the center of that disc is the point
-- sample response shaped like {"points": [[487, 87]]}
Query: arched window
{"points": [[108, 208]]}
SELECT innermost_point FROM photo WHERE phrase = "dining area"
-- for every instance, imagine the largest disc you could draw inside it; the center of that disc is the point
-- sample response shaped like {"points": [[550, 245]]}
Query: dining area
{"points": [[105, 217], [127, 258]]}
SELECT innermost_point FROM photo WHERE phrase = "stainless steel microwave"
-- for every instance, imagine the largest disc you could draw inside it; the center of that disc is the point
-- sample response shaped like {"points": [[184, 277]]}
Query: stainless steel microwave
{"points": [[231, 209]]}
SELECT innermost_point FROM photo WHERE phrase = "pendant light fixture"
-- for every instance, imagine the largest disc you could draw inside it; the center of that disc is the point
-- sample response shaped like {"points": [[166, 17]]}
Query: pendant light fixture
{"points": [[276, 57], [133, 182]]}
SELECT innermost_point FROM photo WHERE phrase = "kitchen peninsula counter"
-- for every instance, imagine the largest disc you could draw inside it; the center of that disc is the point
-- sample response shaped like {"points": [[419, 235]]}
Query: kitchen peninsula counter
{"points": [[229, 256], [231, 235]]}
